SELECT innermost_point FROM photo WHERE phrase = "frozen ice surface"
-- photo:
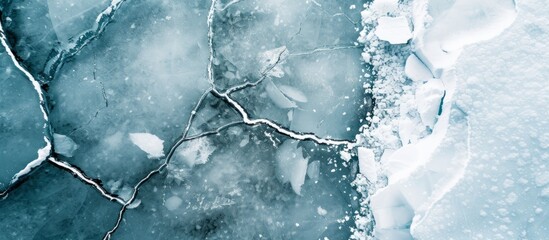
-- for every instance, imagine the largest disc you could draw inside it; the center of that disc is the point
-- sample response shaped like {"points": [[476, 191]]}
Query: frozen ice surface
{"points": [[40, 29], [128, 81], [238, 194], [52, 204], [146, 83], [314, 86]]}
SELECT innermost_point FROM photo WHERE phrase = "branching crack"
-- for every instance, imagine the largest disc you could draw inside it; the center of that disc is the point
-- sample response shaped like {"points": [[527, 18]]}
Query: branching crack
{"points": [[183, 138], [282, 130], [55, 63], [77, 43]]}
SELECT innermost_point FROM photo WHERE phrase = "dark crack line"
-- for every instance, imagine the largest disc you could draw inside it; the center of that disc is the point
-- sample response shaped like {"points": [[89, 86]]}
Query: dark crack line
{"points": [[78, 173], [77, 43], [181, 139]]}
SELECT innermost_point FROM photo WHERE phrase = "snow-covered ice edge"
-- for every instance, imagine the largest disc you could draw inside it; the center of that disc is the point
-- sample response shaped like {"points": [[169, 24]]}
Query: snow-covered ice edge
{"points": [[433, 132]]}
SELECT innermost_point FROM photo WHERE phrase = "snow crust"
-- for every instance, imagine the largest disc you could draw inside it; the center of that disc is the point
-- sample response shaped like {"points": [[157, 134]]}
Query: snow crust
{"points": [[367, 164], [416, 70], [393, 29], [436, 134], [463, 23], [149, 143]]}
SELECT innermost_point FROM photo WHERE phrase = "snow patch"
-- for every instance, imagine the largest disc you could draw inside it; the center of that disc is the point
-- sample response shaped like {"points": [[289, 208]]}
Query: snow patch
{"points": [[394, 30], [416, 70], [367, 163], [198, 151], [464, 23], [428, 98], [43, 154]]}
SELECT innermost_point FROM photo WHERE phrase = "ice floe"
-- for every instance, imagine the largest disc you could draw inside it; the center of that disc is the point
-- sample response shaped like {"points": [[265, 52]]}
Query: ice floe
{"points": [[149, 143]]}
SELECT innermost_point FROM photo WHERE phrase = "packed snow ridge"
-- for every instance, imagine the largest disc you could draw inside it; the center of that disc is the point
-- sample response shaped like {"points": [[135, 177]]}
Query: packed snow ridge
{"points": [[440, 128]]}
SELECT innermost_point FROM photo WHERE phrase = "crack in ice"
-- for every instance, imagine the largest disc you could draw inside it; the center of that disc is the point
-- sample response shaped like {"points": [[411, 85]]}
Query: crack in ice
{"points": [[282, 130], [54, 63], [76, 172], [44, 152], [182, 138], [325, 49]]}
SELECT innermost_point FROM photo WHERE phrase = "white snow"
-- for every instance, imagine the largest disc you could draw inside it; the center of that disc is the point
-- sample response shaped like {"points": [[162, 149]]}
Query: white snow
{"points": [[480, 172], [149, 143], [173, 203], [43, 154], [384, 6], [428, 98], [395, 30], [321, 211], [465, 22], [291, 165], [367, 163], [416, 70], [64, 145]]}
